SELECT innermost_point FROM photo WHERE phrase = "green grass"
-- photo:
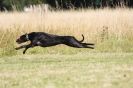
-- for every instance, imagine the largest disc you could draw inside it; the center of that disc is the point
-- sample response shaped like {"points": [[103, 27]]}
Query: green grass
{"points": [[82, 70]]}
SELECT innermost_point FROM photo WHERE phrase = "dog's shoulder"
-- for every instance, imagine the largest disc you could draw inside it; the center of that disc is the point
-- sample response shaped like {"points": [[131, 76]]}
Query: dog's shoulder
{"points": [[36, 33]]}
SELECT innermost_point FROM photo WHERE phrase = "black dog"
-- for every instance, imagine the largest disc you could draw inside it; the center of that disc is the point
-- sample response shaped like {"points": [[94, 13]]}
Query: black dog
{"points": [[46, 40]]}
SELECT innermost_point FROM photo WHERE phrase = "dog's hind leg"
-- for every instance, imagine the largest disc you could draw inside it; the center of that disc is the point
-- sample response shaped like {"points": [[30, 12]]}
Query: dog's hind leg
{"points": [[85, 46], [72, 42], [88, 43], [76, 45]]}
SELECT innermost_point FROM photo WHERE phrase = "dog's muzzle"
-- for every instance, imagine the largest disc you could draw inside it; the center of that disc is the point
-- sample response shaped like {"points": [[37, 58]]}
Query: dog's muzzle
{"points": [[19, 41]]}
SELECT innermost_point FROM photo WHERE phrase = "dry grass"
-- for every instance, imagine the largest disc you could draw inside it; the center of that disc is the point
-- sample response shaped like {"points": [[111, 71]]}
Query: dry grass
{"points": [[111, 30]]}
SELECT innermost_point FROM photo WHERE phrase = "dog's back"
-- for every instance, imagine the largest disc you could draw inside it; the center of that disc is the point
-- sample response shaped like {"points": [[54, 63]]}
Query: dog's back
{"points": [[46, 40]]}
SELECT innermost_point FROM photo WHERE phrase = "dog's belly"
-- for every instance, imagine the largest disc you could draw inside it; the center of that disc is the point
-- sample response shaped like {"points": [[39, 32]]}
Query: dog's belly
{"points": [[49, 43]]}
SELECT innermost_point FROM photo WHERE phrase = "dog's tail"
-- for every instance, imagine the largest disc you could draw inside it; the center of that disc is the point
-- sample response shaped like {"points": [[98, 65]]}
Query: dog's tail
{"points": [[82, 39]]}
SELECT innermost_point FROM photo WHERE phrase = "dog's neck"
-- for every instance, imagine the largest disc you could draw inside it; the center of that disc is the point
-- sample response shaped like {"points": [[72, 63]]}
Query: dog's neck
{"points": [[27, 37], [30, 36]]}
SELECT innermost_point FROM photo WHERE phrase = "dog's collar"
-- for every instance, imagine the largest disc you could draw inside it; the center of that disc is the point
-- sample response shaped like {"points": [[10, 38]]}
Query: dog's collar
{"points": [[27, 37]]}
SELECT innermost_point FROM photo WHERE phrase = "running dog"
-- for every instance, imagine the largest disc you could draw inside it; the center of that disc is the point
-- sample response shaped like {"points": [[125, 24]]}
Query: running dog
{"points": [[46, 40]]}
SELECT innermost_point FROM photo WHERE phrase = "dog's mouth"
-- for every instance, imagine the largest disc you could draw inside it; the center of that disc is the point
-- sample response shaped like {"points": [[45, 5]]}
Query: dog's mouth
{"points": [[19, 41]]}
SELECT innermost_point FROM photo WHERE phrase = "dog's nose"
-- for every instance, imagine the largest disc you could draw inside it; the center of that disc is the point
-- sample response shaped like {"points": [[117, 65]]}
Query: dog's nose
{"points": [[17, 40]]}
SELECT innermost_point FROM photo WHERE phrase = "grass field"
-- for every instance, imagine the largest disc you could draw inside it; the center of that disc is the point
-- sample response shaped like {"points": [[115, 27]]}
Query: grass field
{"points": [[111, 30], [85, 70], [109, 65]]}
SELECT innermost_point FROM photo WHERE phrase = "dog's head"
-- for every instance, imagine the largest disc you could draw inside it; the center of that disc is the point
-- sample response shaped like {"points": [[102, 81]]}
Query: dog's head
{"points": [[23, 38]]}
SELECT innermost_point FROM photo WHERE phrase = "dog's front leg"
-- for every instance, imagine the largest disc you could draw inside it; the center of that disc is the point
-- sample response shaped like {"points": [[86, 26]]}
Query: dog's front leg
{"points": [[27, 47], [24, 46]]}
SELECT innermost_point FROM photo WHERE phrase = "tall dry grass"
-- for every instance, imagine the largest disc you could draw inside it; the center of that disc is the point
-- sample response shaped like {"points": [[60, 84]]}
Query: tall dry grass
{"points": [[111, 30]]}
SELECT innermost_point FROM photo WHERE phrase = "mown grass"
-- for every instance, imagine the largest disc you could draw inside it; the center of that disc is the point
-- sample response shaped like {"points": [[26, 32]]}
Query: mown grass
{"points": [[111, 30], [84, 70]]}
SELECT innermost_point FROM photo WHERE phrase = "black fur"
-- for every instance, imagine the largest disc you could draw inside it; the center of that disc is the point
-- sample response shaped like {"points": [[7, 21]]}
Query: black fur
{"points": [[46, 40]]}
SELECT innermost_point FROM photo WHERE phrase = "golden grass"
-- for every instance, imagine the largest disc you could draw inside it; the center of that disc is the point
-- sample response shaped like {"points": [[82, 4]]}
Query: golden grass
{"points": [[98, 26]]}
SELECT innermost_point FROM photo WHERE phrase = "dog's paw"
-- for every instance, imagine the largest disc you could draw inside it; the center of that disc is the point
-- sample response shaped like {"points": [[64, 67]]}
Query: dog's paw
{"points": [[16, 48], [24, 52], [92, 47]]}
